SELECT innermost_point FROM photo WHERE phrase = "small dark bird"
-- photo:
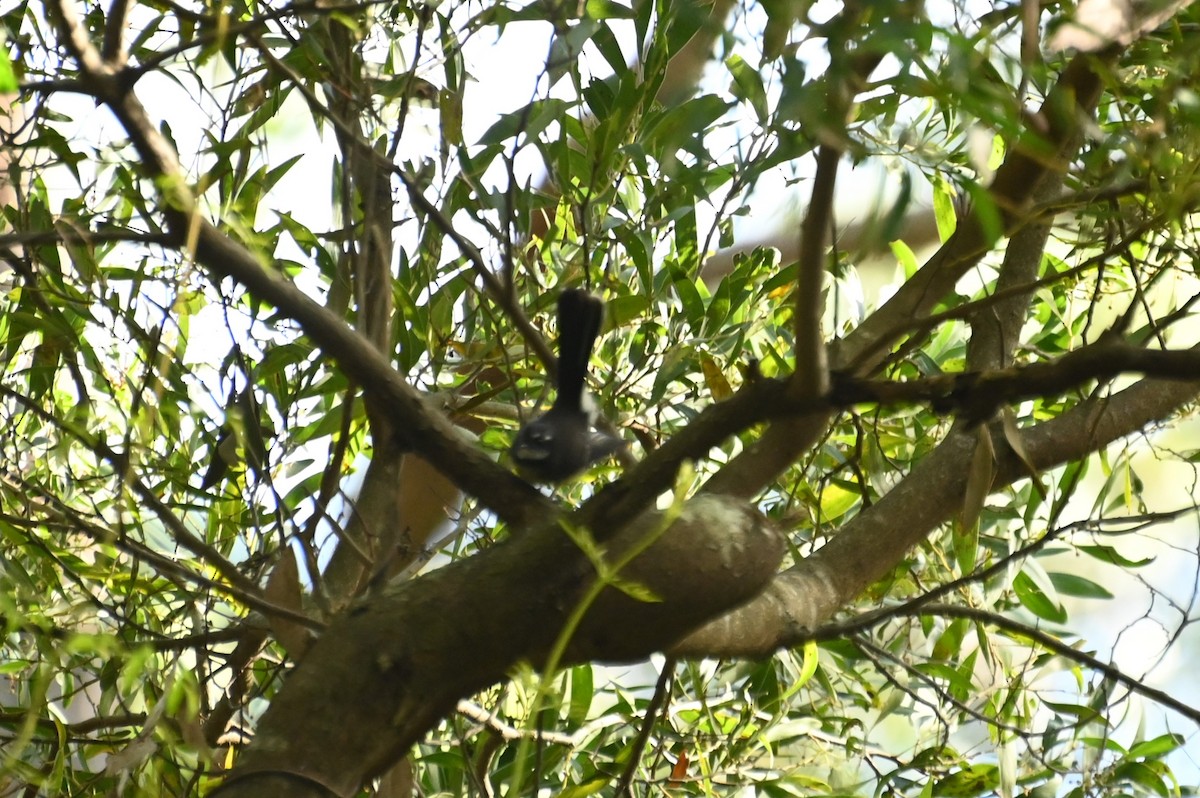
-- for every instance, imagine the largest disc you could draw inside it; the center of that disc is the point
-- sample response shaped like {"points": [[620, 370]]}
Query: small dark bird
{"points": [[244, 435], [563, 441]]}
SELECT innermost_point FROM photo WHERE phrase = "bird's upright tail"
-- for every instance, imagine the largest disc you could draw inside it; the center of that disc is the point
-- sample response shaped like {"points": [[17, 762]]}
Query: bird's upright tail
{"points": [[579, 316]]}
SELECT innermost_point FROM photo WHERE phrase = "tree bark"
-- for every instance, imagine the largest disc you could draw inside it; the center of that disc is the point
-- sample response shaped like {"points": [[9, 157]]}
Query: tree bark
{"points": [[391, 667]]}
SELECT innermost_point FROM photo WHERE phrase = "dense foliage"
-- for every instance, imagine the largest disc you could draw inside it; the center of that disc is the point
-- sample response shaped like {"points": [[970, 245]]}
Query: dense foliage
{"points": [[201, 473]]}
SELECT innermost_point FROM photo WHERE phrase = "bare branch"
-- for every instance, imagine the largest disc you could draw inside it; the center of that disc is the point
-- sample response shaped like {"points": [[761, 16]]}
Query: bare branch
{"points": [[658, 700]]}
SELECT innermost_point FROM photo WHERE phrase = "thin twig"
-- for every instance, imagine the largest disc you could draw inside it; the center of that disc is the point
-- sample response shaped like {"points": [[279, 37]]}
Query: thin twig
{"points": [[657, 701], [59, 510], [492, 286], [1060, 648], [860, 623]]}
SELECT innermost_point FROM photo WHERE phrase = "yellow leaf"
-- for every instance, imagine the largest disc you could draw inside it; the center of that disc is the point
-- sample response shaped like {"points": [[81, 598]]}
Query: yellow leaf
{"points": [[718, 386]]}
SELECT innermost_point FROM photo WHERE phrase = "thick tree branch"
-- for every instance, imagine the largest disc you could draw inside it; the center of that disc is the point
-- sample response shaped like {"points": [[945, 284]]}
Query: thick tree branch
{"points": [[384, 663], [1031, 160], [811, 375], [976, 396], [822, 583], [996, 329], [870, 545], [114, 33], [764, 459]]}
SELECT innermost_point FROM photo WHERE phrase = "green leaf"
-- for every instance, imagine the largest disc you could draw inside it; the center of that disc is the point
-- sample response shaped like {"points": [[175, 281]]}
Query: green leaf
{"points": [[1075, 585], [8, 78], [980, 477], [1034, 600], [586, 788], [610, 48], [781, 19], [970, 781], [635, 590], [1157, 747], [664, 128], [943, 208], [966, 547], [275, 174], [582, 693], [530, 120], [949, 643], [689, 295], [905, 257], [809, 666], [747, 86], [1110, 555], [1147, 775], [985, 210], [607, 9], [567, 46], [764, 686], [837, 500]]}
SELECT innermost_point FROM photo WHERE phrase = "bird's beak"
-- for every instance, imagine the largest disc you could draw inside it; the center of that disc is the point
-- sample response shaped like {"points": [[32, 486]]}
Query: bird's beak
{"points": [[529, 454]]}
